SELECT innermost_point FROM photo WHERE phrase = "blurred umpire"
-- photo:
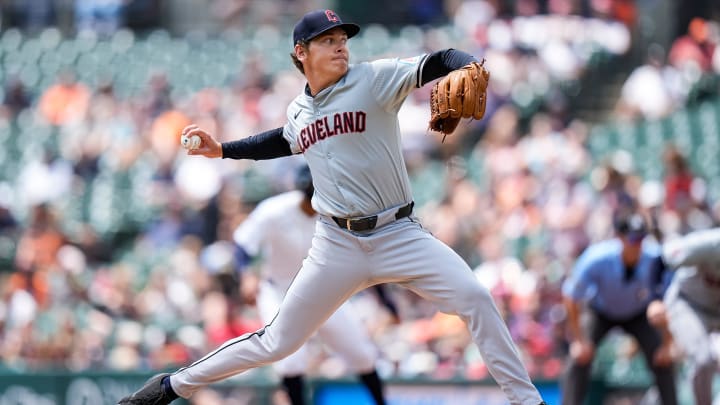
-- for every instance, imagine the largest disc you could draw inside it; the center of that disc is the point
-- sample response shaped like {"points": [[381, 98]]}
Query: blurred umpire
{"points": [[619, 282]]}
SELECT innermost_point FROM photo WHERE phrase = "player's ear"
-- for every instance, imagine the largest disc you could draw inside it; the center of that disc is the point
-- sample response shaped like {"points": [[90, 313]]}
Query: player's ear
{"points": [[301, 51]]}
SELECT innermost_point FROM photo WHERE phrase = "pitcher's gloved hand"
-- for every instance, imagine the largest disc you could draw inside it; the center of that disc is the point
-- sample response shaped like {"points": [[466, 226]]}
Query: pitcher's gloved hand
{"points": [[460, 94]]}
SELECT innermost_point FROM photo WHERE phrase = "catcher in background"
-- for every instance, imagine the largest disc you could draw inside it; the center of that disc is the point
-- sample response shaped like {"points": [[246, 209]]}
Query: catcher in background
{"points": [[278, 233], [345, 123], [692, 305]]}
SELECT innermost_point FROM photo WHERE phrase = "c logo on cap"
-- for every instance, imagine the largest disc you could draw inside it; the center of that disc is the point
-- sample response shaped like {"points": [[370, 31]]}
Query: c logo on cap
{"points": [[331, 16]]}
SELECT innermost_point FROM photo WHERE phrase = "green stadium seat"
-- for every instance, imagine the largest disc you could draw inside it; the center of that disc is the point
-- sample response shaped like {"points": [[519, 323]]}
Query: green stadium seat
{"points": [[681, 130], [627, 135], [654, 136], [600, 141], [11, 40]]}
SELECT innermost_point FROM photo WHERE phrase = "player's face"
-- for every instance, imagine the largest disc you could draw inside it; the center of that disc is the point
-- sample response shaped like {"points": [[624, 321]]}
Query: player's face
{"points": [[328, 54]]}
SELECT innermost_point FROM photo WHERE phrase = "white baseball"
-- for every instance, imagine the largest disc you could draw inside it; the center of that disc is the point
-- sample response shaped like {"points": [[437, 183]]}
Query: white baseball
{"points": [[192, 142]]}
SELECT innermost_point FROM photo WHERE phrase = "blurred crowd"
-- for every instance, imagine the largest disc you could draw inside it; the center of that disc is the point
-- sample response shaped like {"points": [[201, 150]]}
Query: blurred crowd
{"points": [[116, 249], [668, 79]]}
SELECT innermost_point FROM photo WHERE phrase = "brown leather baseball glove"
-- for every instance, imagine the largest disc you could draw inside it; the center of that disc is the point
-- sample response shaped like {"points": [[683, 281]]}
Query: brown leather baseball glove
{"points": [[460, 94]]}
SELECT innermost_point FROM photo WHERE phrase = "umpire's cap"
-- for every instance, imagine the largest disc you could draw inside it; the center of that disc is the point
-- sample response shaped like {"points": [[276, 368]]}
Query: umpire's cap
{"points": [[316, 22], [631, 225]]}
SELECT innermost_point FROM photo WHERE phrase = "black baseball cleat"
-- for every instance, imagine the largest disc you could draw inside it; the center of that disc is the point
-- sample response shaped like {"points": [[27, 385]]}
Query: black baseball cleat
{"points": [[152, 393]]}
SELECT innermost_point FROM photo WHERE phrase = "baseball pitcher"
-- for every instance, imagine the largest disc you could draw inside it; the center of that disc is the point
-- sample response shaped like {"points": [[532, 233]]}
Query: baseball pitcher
{"points": [[345, 123]]}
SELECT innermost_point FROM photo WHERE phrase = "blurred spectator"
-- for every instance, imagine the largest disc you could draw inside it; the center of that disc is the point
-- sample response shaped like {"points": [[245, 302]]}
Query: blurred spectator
{"points": [[685, 199], [157, 98], [45, 178], [678, 181], [612, 182], [695, 49], [8, 222], [168, 229], [163, 135], [94, 249], [424, 12], [64, 102], [221, 323], [645, 92], [624, 11], [40, 242], [172, 353], [230, 13], [684, 12], [103, 17], [143, 14], [31, 15], [16, 98]]}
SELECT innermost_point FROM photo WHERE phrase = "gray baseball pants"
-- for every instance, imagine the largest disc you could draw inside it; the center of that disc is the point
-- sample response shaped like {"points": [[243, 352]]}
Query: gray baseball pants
{"points": [[691, 327], [341, 263]]}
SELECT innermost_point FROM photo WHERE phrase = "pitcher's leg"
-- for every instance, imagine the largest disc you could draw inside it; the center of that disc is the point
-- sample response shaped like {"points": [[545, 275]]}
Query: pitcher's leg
{"points": [[693, 338], [269, 299], [437, 273], [314, 295]]}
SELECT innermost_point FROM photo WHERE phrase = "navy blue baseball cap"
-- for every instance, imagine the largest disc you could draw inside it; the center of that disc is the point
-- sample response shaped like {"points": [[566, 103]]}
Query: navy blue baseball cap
{"points": [[630, 225], [316, 22]]}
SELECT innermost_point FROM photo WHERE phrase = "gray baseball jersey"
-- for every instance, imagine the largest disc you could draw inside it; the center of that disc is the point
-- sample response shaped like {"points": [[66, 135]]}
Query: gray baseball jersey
{"points": [[697, 258], [343, 125]]}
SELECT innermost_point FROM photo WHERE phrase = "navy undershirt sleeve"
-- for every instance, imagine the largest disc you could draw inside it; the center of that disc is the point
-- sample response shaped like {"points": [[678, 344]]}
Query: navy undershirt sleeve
{"points": [[263, 146], [440, 63]]}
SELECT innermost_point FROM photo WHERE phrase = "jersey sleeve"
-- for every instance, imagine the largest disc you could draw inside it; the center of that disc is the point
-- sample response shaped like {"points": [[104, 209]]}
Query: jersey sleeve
{"points": [[289, 132], [693, 249], [252, 232], [394, 79]]}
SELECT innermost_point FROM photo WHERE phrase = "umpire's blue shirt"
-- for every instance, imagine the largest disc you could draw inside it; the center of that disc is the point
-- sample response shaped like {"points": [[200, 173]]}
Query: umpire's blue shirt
{"points": [[599, 278]]}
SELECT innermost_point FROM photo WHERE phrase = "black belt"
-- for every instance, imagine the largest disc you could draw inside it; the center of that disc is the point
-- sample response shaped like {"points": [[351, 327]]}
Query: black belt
{"points": [[369, 223]]}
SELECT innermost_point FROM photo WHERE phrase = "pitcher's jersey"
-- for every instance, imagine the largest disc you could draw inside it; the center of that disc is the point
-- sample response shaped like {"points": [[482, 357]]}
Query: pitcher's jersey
{"points": [[350, 136], [697, 259], [280, 233]]}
